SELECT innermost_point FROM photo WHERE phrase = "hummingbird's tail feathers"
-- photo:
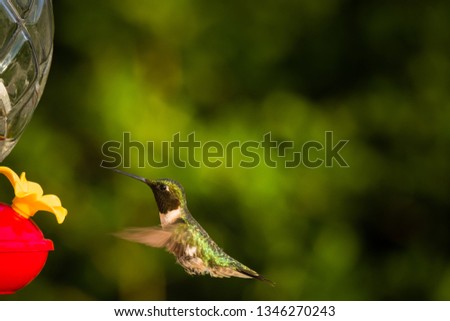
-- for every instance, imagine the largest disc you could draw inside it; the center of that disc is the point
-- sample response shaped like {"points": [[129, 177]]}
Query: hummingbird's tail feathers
{"points": [[227, 272], [244, 272], [257, 276], [150, 236], [262, 278]]}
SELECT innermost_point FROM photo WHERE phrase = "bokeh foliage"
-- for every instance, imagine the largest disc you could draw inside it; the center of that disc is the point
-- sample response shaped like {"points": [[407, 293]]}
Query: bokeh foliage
{"points": [[374, 72]]}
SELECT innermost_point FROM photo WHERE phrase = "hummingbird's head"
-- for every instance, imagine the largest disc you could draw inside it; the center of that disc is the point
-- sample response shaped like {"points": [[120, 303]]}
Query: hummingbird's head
{"points": [[169, 194]]}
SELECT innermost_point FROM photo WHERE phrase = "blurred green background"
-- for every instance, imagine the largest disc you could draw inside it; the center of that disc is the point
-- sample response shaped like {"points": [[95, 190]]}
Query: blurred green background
{"points": [[376, 73]]}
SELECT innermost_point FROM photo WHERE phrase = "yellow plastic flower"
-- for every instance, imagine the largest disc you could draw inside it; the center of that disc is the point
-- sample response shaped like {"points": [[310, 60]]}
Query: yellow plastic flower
{"points": [[30, 197]]}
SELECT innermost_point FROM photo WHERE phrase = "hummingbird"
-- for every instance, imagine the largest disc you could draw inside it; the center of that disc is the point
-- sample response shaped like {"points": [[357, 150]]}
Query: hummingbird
{"points": [[181, 235]]}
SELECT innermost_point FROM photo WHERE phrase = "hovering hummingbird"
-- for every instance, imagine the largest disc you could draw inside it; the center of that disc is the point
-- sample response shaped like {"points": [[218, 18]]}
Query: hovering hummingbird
{"points": [[183, 236]]}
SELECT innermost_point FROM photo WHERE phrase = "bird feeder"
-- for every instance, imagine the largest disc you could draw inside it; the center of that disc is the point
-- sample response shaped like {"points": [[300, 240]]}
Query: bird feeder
{"points": [[23, 248]]}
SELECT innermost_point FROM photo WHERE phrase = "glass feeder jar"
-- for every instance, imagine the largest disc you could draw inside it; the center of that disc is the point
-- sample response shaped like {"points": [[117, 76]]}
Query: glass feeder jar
{"points": [[26, 46]]}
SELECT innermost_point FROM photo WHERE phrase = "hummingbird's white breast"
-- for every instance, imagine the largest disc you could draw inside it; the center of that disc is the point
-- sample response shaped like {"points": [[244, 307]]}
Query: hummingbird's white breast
{"points": [[170, 217]]}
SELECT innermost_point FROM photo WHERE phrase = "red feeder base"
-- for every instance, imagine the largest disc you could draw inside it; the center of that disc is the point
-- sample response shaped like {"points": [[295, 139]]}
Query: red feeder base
{"points": [[23, 250]]}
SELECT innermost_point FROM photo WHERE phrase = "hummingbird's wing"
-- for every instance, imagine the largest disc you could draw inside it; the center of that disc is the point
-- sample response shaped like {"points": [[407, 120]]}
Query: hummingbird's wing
{"points": [[151, 236]]}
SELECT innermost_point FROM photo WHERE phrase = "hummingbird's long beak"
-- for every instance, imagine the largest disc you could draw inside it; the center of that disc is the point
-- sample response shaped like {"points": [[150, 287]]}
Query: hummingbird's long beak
{"points": [[139, 178]]}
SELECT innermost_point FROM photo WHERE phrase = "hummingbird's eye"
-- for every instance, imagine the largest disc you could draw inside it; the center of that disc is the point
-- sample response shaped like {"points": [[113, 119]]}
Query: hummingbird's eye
{"points": [[163, 187]]}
